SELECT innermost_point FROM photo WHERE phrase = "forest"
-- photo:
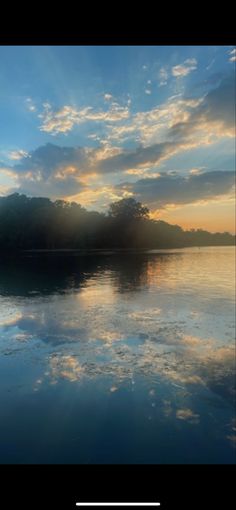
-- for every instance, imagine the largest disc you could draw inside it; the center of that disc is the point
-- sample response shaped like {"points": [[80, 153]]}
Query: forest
{"points": [[28, 223]]}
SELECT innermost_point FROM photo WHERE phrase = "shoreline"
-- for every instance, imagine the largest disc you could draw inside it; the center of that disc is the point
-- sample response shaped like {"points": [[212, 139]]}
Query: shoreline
{"points": [[106, 251]]}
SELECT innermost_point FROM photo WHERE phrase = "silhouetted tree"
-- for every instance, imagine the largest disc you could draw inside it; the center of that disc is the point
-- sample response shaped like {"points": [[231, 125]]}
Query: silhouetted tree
{"points": [[29, 223], [128, 209]]}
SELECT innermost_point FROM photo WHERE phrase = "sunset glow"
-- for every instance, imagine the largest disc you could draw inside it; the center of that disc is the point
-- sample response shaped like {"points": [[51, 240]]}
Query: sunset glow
{"points": [[97, 124]]}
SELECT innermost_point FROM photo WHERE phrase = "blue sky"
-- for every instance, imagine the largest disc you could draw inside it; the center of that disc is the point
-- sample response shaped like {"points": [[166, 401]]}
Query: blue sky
{"points": [[98, 123]]}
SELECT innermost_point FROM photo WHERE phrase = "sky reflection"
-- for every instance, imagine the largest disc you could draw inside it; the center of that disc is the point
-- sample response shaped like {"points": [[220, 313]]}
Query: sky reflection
{"points": [[168, 344]]}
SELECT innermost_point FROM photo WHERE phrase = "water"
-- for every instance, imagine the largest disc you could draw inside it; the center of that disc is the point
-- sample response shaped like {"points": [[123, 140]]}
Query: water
{"points": [[111, 358]]}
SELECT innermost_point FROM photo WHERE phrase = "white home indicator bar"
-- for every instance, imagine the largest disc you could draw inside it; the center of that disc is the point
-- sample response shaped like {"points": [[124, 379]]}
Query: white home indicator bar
{"points": [[118, 504]]}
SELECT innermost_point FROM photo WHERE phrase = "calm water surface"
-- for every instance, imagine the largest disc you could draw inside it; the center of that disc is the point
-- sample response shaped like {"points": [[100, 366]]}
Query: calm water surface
{"points": [[118, 358]]}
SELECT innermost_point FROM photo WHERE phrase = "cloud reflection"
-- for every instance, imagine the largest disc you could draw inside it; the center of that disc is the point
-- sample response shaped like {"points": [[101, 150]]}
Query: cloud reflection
{"points": [[187, 415], [113, 321]]}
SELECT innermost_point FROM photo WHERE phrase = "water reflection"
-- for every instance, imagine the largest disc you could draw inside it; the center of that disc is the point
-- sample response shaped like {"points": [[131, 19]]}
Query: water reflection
{"points": [[34, 275], [150, 335], [48, 274]]}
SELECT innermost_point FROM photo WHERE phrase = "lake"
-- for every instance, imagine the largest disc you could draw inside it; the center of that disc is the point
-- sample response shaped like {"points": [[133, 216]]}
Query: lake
{"points": [[118, 358]]}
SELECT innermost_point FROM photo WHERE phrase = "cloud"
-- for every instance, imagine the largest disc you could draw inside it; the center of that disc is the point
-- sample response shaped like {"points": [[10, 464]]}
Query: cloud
{"points": [[30, 104], [47, 159], [63, 171], [177, 125], [56, 171], [51, 187], [7, 171], [193, 121], [140, 157], [214, 115], [184, 69], [8, 179], [218, 104], [195, 171], [50, 170], [152, 126], [233, 55], [51, 160], [60, 121], [108, 97], [16, 155], [163, 76], [64, 119], [176, 189]]}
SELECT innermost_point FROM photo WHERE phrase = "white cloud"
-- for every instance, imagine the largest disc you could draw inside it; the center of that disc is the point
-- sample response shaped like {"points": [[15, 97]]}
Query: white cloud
{"points": [[114, 114], [233, 58], [30, 105], [64, 119], [233, 55], [196, 171], [163, 76], [184, 69], [108, 97], [59, 121], [174, 118], [152, 126], [17, 155]]}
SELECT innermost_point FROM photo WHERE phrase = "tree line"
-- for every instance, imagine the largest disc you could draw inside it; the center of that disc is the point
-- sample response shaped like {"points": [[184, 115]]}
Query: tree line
{"points": [[39, 223]]}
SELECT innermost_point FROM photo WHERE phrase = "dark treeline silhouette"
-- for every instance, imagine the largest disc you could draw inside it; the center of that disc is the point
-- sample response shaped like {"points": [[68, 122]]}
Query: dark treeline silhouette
{"points": [[39, 223]]}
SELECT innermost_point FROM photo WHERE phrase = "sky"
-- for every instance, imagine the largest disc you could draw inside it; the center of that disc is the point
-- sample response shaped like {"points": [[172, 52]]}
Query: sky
{"points": [[95, 124]]}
